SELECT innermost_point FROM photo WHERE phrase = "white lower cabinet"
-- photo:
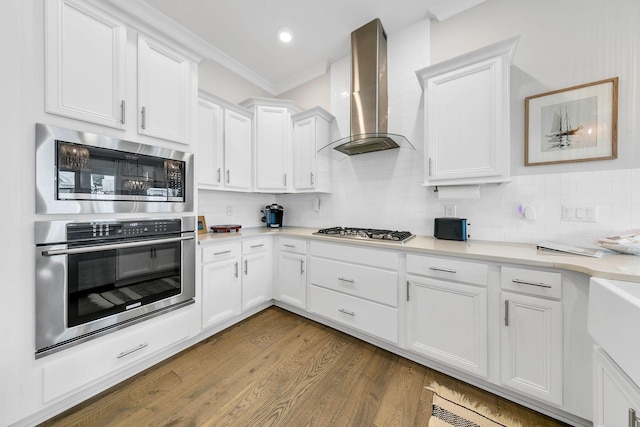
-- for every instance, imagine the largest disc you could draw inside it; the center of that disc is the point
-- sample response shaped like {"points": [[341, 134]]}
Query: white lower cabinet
{"points": [[256, 272], [447, 322], [100, 359], [221, 283], [446, 318], [292, 272], [531, 336], [355, 286], [616, 396]]}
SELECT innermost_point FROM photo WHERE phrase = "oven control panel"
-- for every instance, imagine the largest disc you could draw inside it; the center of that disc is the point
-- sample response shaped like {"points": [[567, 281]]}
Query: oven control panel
{"points": [[121, 229]]}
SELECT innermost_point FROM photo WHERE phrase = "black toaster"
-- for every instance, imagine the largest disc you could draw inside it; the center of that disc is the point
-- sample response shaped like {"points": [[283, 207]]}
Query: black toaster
{"points": [[450, 229]]}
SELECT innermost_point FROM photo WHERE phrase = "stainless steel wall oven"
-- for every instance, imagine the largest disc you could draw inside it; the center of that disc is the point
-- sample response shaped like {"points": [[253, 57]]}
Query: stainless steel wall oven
{"points": [[80, 172], [93, 277]]}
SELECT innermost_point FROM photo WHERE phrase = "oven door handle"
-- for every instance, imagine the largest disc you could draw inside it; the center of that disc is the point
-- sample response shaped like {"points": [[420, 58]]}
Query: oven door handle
{"points": [[99, 248]]}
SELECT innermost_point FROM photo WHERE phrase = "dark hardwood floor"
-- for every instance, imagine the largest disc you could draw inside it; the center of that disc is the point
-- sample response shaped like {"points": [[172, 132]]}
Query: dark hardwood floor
{"points": [[277, 368]]}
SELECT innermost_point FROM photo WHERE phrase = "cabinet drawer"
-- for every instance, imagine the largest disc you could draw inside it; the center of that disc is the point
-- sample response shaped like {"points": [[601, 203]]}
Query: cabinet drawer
{"points": [[220, 252], [293, 245], [99, 360], [357, 280], [255, 245], [366, 316], [444, 268], [358, 255], [533, 282]]}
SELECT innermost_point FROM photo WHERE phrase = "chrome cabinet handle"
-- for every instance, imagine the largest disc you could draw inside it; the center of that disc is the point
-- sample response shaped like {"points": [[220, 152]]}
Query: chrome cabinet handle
{"points": [[524, 282], [633, 420], [344, 279], [100, 248], [445, 270], [408, 284], [228, 175], [301, 266], [289, 246], [350, 313], [257, 246], [218, 175], [122, 112], [246, 267], [429, 166], [133, 350], [221, 253], [236, 269], [312, 180], [143, 125], [506, 312], [285, 179]]}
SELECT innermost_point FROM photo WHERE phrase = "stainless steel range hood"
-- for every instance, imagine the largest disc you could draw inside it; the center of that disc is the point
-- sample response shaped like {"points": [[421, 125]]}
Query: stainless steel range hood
{"points": [[369, 98]]}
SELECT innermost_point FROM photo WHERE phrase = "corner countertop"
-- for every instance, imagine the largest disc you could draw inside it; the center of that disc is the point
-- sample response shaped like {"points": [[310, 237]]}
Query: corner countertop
{"points": [[610, 266]]}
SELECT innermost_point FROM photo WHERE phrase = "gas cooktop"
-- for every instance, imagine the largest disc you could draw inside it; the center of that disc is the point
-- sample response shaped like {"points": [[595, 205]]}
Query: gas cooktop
{"points": [[366, 234]]}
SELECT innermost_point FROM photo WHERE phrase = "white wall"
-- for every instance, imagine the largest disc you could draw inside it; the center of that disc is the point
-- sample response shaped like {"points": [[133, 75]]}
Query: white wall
{"points": [[562, 44], [316, 93]]}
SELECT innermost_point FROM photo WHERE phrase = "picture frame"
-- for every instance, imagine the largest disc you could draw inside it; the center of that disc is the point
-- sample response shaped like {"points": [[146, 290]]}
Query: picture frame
{"points": [[202, 225], [576, 124]]}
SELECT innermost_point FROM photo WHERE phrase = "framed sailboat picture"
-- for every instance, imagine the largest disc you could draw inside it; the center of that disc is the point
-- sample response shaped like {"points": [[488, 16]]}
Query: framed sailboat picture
{"points": [[576, 124]]}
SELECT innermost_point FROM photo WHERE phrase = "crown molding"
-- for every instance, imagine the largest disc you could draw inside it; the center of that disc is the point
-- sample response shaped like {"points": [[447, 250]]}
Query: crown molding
{"points": [[445, 9]]}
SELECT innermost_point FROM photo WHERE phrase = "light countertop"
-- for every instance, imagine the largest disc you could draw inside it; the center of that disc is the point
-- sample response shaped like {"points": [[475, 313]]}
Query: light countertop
{"points": [[610, 266]]}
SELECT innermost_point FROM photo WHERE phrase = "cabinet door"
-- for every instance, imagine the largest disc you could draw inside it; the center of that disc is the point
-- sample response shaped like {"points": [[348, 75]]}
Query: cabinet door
{"points": [[448, 322], [256, 279], [272, 148], [615, 394], [292, 279], [221, 291], [209, 159], [237, 151], [164, 91], [531, 343], [304, 154], [85, 64]]}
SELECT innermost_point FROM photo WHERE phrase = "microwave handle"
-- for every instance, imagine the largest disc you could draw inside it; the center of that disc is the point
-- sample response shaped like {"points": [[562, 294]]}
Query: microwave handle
{"points": [[99, 248]]}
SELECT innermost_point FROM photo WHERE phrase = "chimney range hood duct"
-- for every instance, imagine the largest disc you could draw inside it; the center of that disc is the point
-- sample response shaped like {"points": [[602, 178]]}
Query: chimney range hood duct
{"points": [[369, 98]]}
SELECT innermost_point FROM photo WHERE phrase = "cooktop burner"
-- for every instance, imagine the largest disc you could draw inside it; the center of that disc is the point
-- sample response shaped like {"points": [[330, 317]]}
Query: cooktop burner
{"points": [[366, 233]]}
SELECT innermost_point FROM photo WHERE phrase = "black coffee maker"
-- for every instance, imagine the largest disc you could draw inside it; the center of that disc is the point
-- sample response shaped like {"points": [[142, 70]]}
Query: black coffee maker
{"points": [[273, 215]]}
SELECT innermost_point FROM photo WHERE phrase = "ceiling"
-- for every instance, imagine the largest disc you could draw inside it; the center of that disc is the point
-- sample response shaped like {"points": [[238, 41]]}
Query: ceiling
{"points": [[244, 32]]}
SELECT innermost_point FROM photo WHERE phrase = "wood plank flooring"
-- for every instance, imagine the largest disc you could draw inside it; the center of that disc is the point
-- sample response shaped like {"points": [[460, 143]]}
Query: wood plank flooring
{"points": [[280, 369]]}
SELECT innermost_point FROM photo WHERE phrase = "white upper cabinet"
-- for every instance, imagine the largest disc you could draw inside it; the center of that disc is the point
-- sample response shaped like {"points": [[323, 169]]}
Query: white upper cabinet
{"points": [[85, 64], [272, 143], [467, 117], [164, 83], [224, 145], [88, 77], [311, 131]]}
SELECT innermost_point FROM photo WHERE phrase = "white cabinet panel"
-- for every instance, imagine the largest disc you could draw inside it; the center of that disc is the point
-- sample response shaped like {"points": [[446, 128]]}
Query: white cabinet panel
{"points": [[256, 272], [448, 322], [448, 268], [532, 282], [311, 132], [210, 151], [292, 279], [375, 319], [237, 151], [272, 148], [531, 343], [85, 64], [164, 91], [221, 291]]}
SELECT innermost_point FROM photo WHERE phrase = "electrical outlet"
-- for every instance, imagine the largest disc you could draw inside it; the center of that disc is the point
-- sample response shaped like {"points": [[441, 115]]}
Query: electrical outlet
{"points": [[229, 211], [584, 213], [450, 211]]}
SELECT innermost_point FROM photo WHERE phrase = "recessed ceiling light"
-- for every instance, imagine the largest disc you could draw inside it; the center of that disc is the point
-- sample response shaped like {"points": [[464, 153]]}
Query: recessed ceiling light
{"points": [[285, 34]]}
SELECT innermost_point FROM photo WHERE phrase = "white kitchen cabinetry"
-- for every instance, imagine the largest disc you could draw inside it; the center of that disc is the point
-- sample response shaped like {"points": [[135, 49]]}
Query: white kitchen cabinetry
{"points": [[617, 397], [256, 272], [272, 143], [223, 158], [467, 121], [99, 359], [87, 72], [164, 91], [356, 287], [221, 283], [311, 132], [446, 319], [85, 54], [292, 272], [531, 336]]}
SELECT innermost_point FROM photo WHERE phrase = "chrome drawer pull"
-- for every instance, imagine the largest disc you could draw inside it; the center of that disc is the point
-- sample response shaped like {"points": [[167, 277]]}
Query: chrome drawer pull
{"points": [[133, 350], [445, 270], [350, 313], [236, 270], [221, 253], [301, 266], [143, 125], [257, 246], [523, 282], [506, 312], [218, 175], [289, 246], [123, 110], [344, 279]]}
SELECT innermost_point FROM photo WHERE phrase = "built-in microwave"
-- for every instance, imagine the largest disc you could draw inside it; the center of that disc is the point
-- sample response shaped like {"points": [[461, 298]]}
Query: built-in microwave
{"points": [[81, 172]]}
